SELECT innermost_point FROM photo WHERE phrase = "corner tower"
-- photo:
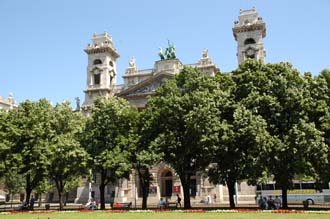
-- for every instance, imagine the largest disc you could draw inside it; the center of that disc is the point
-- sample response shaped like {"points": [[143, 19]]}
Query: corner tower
{"points": [[101, 68], [249, 32]]}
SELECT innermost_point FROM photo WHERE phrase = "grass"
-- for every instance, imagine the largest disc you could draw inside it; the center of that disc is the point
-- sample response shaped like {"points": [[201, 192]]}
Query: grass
{"points": [[167, 215]]}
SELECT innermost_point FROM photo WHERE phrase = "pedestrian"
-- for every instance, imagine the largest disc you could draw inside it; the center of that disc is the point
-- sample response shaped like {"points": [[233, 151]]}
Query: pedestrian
{"points": [[32, 203], [208, 199], [178, 200], [161, 204], [277, 202], [214, 198]]}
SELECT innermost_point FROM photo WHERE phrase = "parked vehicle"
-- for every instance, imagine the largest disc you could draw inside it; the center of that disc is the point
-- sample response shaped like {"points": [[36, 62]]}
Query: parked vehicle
{"points": [[301, 191]]}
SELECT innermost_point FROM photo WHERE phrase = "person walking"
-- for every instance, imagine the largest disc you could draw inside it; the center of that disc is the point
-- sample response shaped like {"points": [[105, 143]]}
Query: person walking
{"points": [[32, 203], [178, 200]]}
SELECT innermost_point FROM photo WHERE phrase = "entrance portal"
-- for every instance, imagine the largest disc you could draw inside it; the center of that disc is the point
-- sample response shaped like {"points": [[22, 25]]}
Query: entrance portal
{"points": [[167, 184]]}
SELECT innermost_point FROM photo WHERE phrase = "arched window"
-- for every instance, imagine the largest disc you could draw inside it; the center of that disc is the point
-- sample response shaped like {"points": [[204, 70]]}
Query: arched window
{"points": [[111, 63], [97, 62], [168, 174], [249, 41]]}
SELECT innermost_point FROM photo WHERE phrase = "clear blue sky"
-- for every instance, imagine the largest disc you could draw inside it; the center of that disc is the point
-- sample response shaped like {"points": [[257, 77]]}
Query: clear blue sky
{"points": [[42, 41]]}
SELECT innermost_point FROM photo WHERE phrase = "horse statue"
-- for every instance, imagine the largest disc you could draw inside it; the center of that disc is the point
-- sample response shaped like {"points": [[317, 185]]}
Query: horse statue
{"points": [[161, 54], [169, 52]]}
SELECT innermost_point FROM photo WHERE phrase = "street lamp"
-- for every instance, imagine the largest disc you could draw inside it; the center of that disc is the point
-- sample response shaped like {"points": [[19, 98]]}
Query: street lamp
{"points": [[90, 185]]}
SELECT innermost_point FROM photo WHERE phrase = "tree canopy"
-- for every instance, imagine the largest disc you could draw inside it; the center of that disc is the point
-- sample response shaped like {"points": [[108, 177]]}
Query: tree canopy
{"points": [[69, 160], [106, 139], [179, 117]]}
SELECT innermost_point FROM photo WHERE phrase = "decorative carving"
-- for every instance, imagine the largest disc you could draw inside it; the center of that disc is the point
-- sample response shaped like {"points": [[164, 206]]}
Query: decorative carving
{"points": [[149, 88]]}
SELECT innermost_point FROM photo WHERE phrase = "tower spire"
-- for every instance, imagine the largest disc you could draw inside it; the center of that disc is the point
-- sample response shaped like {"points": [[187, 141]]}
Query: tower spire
{"points": [[101, 68], [249, 32]]}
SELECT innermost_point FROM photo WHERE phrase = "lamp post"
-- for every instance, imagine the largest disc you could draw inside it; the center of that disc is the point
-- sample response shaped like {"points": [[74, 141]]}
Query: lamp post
{"points": [[142, 173], [90, 185], [135, 188]]}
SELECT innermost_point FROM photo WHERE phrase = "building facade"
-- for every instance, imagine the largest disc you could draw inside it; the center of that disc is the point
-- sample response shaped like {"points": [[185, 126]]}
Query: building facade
{"points": [[248, 31], [7, 103]]}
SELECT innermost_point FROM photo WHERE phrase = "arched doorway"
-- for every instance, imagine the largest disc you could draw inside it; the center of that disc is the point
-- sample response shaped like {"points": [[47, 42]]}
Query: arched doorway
{"points": [[166, 183]]}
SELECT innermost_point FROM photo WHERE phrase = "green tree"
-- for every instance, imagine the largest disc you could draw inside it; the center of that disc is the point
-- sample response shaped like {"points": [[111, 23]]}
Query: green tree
{"points": [[243, 142], [14, 183], [69, 160], [179, 118], [106, 139], [5, 143], [145, 154], [278, 93], [319, 113], [30, 134]]}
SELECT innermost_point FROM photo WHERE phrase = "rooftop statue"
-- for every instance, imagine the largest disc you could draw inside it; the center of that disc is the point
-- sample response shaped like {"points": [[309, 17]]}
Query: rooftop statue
{"points": [[169, 52], [205, 53], [132, 63], [161, 54], [77, 103]]}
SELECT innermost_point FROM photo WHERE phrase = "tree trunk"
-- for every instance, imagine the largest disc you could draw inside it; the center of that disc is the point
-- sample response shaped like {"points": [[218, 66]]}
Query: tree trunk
{"points": [[144, 197], [144, 187], [102, 198], [185, 181], [39, 204], [284, 197], [28, 189], [60, 187], [102, 188], [231, 191], [12, 197], [60, 199]]}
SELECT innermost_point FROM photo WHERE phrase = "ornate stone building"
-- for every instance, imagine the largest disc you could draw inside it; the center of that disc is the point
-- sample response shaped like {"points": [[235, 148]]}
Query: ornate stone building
{"points": [[248, 31], [7, 103]]}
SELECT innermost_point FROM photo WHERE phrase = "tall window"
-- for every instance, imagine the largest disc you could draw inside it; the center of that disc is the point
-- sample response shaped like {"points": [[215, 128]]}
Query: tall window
{"points": [[97, 79]]}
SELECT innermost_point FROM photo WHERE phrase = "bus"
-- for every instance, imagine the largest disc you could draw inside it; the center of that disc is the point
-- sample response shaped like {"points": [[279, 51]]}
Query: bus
{"points": [[301, 191]]}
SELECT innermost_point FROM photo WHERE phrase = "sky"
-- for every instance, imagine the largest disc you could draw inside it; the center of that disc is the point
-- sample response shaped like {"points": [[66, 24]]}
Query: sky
{"points": [[43, 41]]}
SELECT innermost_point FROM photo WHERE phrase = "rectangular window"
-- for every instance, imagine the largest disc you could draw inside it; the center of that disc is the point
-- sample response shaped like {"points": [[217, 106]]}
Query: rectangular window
{"points": [[97, 79], [193, 187], [269, 186], [307, 185]]}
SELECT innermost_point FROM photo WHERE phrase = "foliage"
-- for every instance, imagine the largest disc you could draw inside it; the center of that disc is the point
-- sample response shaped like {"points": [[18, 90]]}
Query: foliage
{"points": [[29, 133], [5, 143], [14, 183], [69, 160], [242, 144], [319, 112], [145, 154], [278, 93], [178, 117], [106, 139]]}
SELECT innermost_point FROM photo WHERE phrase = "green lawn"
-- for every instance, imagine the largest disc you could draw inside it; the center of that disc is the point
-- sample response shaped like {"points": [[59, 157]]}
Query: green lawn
{"points": [[168, 215]]}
